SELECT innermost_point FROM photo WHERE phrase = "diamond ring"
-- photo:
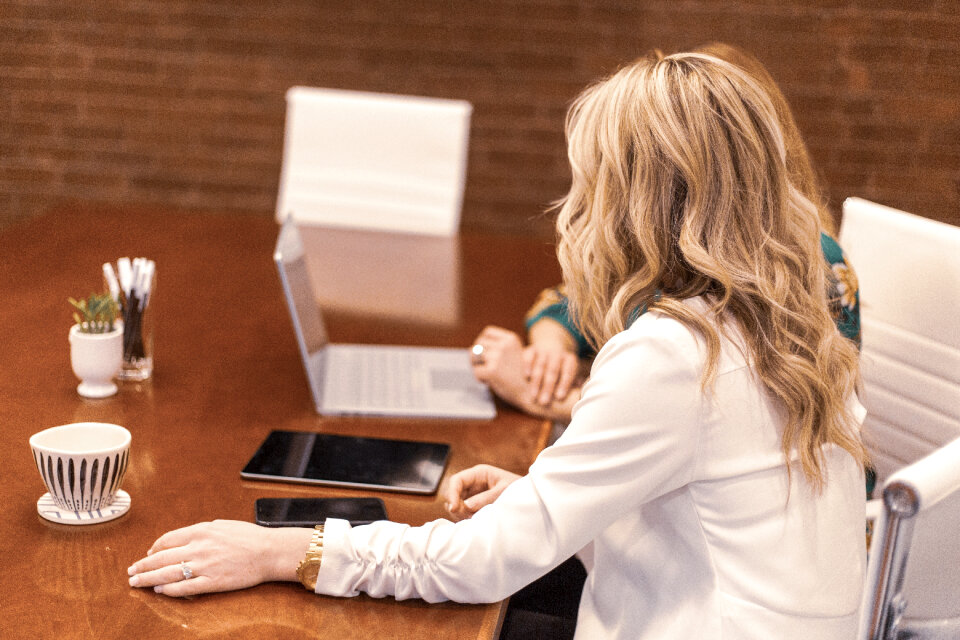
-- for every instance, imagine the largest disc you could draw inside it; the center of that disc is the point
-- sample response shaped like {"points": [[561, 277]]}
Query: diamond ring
{"points": [[477, 354], [185, 568]]}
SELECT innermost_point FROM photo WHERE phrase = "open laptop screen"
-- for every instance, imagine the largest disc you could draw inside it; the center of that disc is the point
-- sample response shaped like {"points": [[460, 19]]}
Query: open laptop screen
{"points": [[373, 379]]}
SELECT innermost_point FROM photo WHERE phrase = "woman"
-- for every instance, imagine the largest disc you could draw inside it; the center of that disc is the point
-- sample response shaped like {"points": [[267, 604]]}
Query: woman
{"points": [[544, 378], [714, 460]]}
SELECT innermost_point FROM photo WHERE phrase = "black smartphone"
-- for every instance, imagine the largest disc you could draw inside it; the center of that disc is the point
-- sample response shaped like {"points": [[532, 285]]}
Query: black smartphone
{"points": [[306, 512]]}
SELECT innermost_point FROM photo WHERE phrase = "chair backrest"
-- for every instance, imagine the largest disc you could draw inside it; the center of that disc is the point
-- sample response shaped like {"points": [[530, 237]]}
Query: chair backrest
{"points": [[912, 590], [374, 161], [908, 269]]}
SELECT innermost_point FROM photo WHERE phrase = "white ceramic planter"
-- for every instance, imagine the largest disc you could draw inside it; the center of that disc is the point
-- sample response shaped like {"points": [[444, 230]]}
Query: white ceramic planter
{"points": [[96, 358]]}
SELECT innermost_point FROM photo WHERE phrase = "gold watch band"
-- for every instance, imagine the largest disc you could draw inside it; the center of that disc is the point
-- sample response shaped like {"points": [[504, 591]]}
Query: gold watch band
{"points": [[310, 565]]}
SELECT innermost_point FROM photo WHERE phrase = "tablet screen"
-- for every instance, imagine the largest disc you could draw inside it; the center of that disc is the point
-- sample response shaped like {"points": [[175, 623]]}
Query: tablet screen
{"points": [[347, 461]]}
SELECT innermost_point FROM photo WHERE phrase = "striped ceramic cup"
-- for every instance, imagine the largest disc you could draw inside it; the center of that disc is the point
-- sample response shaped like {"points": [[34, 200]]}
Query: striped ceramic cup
{"points": [[82, 463]]}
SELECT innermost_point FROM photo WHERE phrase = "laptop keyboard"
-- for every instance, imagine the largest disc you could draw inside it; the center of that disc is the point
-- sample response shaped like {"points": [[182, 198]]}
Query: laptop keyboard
{"points": [[375, 378]]}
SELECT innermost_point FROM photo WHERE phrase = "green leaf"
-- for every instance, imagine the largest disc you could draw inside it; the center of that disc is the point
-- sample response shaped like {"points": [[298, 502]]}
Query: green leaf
{"points": [[97, 313]]}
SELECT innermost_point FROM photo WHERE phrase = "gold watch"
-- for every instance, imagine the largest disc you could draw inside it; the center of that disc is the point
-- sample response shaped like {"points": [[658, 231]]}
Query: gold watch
{"points": [[310, 565]]}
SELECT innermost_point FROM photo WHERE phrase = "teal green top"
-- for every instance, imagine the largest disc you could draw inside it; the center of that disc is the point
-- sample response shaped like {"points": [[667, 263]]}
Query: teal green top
{"points": [[844, 299], [844, 290]]}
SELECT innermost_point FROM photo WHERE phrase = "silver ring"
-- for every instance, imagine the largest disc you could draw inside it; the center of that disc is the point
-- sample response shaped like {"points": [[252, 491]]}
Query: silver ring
{"points": [[185, 569], [477, 351]]}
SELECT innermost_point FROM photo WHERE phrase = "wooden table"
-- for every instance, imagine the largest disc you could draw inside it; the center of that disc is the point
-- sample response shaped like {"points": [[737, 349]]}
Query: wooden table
{"points": [[227, 372]]}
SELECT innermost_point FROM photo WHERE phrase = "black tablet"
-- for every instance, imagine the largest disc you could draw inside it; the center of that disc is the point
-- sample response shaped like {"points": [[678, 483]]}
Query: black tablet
{"points": [[347, 461]]}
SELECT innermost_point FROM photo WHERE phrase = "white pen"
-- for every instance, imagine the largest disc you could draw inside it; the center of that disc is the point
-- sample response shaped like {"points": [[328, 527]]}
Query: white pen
{"points": [[126, 275], [141, 284], [136, 284], [148, 270], [111, 277]]}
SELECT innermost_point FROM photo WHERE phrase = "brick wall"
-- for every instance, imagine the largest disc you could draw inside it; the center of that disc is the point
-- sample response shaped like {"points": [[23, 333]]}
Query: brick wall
{"points": [[181, 103]]}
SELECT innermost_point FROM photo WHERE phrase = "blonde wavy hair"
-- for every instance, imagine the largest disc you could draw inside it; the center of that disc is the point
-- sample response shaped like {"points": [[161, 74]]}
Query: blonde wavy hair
{"points": [[680, 188], [799, 166]]}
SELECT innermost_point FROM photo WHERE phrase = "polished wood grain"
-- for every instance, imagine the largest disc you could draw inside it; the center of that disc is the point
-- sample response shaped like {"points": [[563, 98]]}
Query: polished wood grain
{"points": [[227, 372]]}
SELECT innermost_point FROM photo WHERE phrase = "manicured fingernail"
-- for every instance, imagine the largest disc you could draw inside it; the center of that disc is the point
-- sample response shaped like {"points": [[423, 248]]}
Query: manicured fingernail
{"points": [[158, 588], [134, 581], [132, 569]]}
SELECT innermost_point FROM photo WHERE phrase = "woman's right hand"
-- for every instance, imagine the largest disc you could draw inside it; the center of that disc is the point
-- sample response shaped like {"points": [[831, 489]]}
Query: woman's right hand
{"points": [[471, 489], [222, 555]]}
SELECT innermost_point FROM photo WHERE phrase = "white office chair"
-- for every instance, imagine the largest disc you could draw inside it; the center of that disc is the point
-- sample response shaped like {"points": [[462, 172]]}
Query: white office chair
{"points": [[913, 591], [374, 161], [908, 268], [382, 178]]}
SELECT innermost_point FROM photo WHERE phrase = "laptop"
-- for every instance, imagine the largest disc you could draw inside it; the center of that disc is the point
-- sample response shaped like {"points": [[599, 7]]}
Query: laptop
{"points": [[381, 380]]}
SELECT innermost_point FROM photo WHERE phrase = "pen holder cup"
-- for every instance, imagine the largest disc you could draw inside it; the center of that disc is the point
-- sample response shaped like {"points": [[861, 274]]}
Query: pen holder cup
{"points": [[138, 324]]}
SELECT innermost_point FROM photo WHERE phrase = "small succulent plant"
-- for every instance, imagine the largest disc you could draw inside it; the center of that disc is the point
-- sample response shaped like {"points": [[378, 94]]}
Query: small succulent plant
{"points": [[96, 314]]}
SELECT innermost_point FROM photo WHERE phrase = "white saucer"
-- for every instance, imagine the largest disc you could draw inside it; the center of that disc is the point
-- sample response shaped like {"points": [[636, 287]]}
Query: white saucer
{"points": [[49, 510]]}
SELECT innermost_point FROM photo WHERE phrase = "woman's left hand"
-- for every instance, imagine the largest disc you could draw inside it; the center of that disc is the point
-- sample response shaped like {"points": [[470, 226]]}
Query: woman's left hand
{"points": [[471, 489], [223, 555]]}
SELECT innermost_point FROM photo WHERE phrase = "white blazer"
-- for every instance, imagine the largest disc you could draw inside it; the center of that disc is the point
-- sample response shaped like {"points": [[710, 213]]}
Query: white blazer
{"points": [[684, 495]]}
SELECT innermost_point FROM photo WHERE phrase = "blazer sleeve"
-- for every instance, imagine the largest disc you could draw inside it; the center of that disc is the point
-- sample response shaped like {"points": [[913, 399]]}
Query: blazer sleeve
{"points": [[633, 437]]}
